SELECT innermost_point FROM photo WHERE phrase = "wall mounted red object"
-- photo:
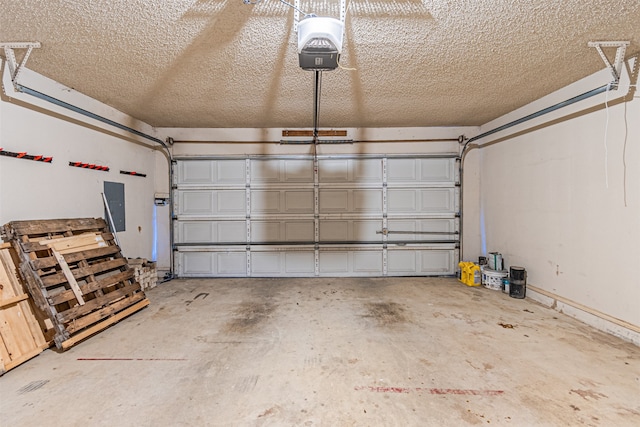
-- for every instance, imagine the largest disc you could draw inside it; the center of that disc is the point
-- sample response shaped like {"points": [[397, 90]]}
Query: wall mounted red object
{"points": [[133, 173], [24, 155], [89, 166]]}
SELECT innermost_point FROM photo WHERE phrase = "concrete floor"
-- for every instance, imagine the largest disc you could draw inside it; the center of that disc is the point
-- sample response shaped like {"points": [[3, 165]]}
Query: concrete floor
{"points": [[332, 352]]}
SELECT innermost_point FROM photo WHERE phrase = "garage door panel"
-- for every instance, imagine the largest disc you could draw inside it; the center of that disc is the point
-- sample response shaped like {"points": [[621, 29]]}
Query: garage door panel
{"points": [[334, 201], [367, 201], [344, 230], [196, 203], [437, 170], [341, 263], [281, 171], [299, 263], [211, 232], [438, 261], [404, 227], [336, 262], [211, 172], [266, 263], [334, 231], [231, 172], [402, 262], [211, 203], [421, 262], [421, 171], [299, 231], [367, 262], [231, 203], [438, 200], [421, 201], [350, 171], [272, 202], [282, 231], [333, 170], [265, 202], [208, 264], [283, 263], [298, 202], [360, 201]]}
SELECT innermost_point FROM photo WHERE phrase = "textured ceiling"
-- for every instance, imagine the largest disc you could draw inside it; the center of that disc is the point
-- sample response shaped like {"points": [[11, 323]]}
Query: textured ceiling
{"points": [[222, 63]]}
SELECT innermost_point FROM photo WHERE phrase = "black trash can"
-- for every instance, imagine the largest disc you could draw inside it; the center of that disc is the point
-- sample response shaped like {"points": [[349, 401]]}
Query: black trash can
{"points": [[517, 282]]}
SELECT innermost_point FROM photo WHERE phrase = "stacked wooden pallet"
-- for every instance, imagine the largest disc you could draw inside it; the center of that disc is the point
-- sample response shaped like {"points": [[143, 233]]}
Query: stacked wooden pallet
{"points": [[145, 272], [76, 274], [21, 336]]}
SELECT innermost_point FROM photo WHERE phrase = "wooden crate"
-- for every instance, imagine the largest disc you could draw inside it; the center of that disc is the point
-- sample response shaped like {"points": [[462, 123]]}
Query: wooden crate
{"points": [[76, 274], [21, 336]]}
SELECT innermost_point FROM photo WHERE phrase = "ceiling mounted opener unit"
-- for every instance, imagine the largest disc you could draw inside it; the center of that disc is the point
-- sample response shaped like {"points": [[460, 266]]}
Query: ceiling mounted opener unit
{"points": [[319, 43]]}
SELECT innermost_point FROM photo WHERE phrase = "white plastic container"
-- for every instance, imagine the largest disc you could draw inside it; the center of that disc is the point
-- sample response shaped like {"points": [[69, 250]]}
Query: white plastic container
{"points": [[492, 279]]}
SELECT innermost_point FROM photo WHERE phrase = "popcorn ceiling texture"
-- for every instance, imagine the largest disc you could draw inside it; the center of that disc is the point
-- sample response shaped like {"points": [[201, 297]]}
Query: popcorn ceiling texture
{"points": [[224, 64]]}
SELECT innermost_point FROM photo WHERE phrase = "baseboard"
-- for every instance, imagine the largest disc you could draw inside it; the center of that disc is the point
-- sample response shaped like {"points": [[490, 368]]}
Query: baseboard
{"points": [[591, 317]]}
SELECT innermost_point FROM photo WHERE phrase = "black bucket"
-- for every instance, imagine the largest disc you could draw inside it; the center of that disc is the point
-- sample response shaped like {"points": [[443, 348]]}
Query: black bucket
{"points": [[517, 282]]}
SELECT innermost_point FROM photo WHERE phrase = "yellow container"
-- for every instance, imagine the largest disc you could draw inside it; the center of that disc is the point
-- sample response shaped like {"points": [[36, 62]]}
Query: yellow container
{"points": [[470, 273]]}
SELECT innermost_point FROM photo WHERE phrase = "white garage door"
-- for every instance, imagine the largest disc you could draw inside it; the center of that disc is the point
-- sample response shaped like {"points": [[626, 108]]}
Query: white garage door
{"points": [[299, 217]]}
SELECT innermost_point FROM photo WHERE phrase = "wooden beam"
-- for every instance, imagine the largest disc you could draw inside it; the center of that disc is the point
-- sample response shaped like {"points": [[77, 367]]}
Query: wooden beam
{"points": [[309, 133], [69, 275], [104, 324], [14, 300]]}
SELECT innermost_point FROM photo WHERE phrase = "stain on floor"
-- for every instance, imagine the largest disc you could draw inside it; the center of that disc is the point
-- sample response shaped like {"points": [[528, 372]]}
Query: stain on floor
{"points": [[249, 316], [386, 313]]}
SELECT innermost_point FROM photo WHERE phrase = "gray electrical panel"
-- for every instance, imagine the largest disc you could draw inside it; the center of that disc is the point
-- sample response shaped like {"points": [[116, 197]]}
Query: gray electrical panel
{"points": [[114, 193]]}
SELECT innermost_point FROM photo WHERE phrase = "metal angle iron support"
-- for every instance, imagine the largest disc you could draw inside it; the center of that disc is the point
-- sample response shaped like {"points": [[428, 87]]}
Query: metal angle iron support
{"points": [[616, 67], [248, 203], [14, 67]]}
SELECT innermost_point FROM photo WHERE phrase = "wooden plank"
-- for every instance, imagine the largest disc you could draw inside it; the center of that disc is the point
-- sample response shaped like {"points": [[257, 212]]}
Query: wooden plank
{"points": [[27, 324], [309, 133], [13, 329], [67, 239], [69, 276], [35, 227], [39, 293], [93, 286], [105, 312], [102, 325], [75, 243], [82, 272], [102, 278], [75, 249], [78, 311], [20, 360], [13, 300], [48, 262]]}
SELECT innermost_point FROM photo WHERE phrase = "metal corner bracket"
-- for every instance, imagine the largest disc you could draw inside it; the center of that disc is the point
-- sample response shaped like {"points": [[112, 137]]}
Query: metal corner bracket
{"points": [[616, 67], [14, 67]]}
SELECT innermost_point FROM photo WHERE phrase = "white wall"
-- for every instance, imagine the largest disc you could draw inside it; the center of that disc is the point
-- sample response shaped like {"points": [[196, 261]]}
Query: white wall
{"points": [[35, 190], [563, 201]]}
